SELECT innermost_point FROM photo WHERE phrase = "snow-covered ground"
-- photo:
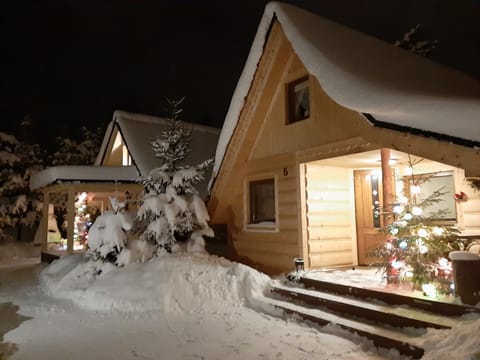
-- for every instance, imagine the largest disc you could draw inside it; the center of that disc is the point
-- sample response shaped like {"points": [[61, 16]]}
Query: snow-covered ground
{"points": [[183, 306]]}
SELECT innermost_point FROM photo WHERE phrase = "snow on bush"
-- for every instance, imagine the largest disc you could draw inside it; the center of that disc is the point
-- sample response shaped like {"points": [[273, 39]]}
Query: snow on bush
{"points": [[108, 235], [182, 282]]}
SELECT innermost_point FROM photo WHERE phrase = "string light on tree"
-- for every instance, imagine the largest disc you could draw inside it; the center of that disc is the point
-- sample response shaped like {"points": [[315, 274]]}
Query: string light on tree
{"points": [[417, 245]]}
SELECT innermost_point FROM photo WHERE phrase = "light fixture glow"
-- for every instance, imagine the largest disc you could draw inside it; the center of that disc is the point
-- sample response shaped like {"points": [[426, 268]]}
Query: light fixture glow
{"points": [[417, 211], [429, 290], [398, 209], [415, 189], [422, 233]]}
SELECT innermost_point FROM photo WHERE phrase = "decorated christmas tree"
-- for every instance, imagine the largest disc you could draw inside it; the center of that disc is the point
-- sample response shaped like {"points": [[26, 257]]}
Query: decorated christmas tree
{"points": [[418, 243], [171, 210]]}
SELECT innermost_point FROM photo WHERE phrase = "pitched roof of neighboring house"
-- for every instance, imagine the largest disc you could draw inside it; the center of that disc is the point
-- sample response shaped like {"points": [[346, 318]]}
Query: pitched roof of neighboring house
{"points": [[367, 75], [137, 131]]}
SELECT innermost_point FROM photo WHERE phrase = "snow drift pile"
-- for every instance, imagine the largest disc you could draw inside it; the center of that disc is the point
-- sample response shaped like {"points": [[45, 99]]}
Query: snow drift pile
{"points": [[171, 283]]}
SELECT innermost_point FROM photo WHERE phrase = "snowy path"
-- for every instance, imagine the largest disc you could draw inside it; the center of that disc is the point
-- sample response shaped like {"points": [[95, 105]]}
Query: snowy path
{"points": [[61, 330]]}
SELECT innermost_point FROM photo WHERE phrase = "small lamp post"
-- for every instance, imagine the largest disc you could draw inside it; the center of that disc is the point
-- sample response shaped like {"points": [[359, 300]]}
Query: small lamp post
{"points": [[299, 265]]}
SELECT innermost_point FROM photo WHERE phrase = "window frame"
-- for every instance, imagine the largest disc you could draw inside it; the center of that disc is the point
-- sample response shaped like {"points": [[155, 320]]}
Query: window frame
{"points": [[248, 224], [291, 99], [448, 221]]}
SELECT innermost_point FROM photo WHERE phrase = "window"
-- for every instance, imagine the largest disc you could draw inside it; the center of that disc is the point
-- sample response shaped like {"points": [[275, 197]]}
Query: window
{"points": [[262, 202], [298, 100], [444, 183], [375, 201], [119, 154]]}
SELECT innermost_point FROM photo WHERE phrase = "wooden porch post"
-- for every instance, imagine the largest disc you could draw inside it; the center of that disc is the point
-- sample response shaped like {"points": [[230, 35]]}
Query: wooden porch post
{"points": [[44, 221], [70, 219], [388, 184]]}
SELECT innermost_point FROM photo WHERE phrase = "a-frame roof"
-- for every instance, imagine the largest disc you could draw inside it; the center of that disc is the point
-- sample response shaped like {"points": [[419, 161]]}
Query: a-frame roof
{"points": [[367, 75], [137, 131]]}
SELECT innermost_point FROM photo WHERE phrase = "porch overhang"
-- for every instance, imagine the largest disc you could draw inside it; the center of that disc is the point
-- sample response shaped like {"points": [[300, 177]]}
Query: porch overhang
{"points": [[71, 180]]}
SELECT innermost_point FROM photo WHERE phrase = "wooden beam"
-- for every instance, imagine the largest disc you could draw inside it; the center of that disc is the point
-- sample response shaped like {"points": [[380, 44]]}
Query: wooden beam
{"points": [[93, 187], [70, 219], [44, 221], [388, 184]]}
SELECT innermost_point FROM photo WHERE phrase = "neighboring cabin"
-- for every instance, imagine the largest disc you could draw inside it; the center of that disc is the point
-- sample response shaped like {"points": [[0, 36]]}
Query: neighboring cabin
{"points": [[125, 156], [320, 115]]}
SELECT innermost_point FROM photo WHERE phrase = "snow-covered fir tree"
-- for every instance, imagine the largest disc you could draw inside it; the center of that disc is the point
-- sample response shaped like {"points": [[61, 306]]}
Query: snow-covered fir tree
{"points": [[171, 210], [19, 206]]}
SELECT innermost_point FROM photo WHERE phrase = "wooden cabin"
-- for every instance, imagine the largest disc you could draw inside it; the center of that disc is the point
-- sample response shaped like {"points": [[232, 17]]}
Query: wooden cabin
{"points": [[318, 137], [124, 157]]}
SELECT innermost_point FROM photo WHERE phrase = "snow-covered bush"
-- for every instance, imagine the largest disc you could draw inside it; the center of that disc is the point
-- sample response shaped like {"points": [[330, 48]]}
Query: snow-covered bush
{"points": [[108, 235]]}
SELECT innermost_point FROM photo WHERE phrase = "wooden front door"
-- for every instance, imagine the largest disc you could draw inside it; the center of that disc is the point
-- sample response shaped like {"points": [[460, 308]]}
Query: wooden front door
{"points": [[368, 205]]}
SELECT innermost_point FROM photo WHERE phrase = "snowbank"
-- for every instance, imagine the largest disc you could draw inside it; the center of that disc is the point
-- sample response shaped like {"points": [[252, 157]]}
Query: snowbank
{"points": [[461, 342], [172, 283]]}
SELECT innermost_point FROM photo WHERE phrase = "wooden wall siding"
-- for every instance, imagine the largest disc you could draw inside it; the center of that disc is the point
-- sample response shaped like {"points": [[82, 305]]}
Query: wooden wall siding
{"points": [[275, 249], [328, 122], [329, 216], [277, 53], [114, 158]]}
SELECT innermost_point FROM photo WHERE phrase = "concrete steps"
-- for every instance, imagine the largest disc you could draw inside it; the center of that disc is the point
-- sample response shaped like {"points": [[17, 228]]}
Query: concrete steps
{"points": [[389, 320]]}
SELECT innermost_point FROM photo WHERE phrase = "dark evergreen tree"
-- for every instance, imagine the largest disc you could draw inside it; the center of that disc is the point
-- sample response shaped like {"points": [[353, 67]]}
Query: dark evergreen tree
{"points": [[19, 206], [78, 152]]}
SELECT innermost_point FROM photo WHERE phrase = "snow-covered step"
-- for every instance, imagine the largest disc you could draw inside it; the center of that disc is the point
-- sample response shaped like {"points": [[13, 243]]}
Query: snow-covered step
{"points": [[371, 311], [436, 307], [389, 338]]}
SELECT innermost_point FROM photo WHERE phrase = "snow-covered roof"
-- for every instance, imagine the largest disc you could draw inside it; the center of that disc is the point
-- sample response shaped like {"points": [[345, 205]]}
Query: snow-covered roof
{"points": [[82, 173], [138, 130], [367, 75]]}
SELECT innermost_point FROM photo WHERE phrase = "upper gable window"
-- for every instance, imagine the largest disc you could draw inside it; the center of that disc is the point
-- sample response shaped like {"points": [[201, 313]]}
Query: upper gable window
{"points": [[120, 154], [298, 100]]}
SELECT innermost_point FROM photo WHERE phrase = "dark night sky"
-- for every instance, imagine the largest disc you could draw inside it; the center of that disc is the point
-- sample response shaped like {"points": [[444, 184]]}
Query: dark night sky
{"points": [[69, 63]]}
